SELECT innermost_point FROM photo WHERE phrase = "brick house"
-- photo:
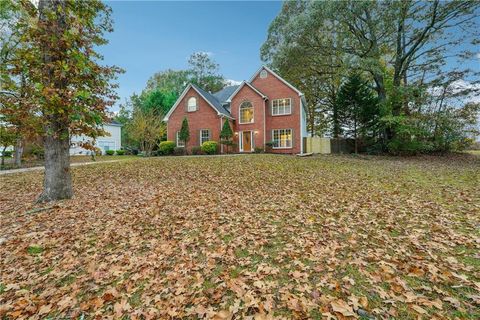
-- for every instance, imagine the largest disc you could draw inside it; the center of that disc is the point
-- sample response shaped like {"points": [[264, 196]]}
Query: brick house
{"points": [[265, 109]]}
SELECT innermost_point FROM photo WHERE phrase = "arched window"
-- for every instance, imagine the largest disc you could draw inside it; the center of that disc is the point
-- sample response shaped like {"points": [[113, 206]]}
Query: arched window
{"points": [[246, 112], [192, 104]]}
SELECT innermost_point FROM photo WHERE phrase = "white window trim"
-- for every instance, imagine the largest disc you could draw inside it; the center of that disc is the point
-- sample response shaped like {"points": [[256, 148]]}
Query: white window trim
{"points": [[188, 105], [178, 140], [282, 114], [240, 113], [209, 136], [273, 136]]}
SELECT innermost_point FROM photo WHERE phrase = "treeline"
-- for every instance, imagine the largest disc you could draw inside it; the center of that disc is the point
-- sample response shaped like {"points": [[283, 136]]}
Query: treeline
{"points": [[394, 75], [142, 114]]}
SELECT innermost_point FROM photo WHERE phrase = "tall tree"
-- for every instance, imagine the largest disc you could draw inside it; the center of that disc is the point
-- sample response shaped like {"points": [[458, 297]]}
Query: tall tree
{"points": [[71, 91], [205, 72], [401, 45], [358, 110], [169, 81]]}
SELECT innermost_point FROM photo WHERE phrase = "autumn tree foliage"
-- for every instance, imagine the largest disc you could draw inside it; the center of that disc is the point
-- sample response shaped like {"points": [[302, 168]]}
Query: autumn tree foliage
{"points": [[70, 90], [147, 129], [409, 51]]}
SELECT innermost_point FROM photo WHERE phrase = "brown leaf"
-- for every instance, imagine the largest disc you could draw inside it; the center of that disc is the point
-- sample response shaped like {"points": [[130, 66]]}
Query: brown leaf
{"points": [[342, 307]]}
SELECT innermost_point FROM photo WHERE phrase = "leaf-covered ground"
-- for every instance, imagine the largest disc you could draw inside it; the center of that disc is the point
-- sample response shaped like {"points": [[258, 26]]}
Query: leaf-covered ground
{"points": [[240, 237]]}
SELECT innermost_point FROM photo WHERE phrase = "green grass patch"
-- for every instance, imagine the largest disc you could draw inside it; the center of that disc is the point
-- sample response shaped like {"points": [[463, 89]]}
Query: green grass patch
{"points": [[34, 250]]}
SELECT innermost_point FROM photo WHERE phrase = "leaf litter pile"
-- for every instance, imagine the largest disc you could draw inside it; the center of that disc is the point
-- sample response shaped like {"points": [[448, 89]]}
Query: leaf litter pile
{"points": [[246, 237]]}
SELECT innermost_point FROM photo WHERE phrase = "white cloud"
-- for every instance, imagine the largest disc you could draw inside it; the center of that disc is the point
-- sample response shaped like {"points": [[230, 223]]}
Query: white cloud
{"points": [[477, 55], [231, 82], [457, 87]]}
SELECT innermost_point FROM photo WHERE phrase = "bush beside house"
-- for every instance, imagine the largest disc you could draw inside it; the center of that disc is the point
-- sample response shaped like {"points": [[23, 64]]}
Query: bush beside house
{"points": [[166, 147], [210, 147]]}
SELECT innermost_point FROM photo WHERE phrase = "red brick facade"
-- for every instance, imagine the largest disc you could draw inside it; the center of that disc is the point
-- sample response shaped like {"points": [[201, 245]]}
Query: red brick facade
{"points": [[204, 118], [264, 91]]}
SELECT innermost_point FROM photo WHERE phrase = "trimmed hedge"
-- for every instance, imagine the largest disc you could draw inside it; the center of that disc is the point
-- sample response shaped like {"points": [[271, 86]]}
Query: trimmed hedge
{"points": [[110, 152], [166, 147], [120, 152], [7, 153], [210, 147]]}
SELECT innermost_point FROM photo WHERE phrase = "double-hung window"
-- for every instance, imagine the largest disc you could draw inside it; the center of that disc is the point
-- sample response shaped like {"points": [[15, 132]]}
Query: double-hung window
{"points": [[204, 135], [180, 143], [281, 106], [282, 138]]}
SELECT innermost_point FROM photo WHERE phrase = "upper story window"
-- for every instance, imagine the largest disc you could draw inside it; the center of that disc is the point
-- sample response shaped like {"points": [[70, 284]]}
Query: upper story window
{"points": [[246, 112], [281, 106], [192, 104]]}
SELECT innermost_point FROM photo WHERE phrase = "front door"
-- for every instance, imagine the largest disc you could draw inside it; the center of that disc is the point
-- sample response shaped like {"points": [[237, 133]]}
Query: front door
{"points": [[246, 141]]}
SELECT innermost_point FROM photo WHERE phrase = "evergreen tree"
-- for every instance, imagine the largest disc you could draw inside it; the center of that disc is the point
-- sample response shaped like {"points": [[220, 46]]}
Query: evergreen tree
{"points": [[226, 134], [357, 108], [184, 134]]}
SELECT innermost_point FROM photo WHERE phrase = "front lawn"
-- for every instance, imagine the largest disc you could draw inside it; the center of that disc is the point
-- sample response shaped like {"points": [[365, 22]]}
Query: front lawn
{"points": [[237, 236]]}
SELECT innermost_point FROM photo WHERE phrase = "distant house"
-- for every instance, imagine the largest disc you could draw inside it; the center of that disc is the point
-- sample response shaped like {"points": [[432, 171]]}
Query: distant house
{"points": [[112, 142], [266, 109]]}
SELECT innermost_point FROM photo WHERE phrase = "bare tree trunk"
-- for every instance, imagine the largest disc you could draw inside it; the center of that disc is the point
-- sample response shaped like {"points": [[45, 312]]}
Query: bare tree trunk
{"points": [[57, 183], [18, 152], [3, 156]]}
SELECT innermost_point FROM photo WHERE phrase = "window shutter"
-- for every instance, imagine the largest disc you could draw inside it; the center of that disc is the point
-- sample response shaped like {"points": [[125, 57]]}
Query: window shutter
{"points": [[292, 108], [186, 105], [293, 137]]}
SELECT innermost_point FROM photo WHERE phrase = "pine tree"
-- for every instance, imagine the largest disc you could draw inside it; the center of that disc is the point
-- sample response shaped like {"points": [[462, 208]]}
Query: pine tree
{"points": [[184, 134], [226, 134], [357, 107]]}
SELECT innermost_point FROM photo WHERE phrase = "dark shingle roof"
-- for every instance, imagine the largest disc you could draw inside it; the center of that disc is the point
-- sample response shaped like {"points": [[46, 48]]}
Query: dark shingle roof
{"points": [[225, 93], [213, 100]]}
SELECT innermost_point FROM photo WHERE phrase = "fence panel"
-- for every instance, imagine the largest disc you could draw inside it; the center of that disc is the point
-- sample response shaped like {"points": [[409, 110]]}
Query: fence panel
{"points": [[317, 145]]}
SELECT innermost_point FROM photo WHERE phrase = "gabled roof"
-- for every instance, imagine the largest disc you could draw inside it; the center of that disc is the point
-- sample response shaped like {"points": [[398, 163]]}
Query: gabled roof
{"points": [[241, 86], [211, 100], [214, 102], [225, 93], [278, 77]]}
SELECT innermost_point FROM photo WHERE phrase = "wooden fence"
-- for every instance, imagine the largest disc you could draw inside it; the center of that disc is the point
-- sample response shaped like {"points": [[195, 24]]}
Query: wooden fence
{"points": [[327, 145]]}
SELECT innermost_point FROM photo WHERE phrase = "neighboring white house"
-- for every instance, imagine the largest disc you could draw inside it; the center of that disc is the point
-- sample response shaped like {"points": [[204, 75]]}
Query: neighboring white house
{"points": [[112, 142]]}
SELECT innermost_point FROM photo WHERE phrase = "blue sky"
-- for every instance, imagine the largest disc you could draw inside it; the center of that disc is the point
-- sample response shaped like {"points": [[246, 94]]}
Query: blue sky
{"points": [[151, 36]]}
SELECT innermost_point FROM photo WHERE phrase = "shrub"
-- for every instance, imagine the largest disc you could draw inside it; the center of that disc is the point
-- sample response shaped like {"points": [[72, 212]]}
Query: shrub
{"points": [[120, 152], [197, 150], [179, 151], [7, 153], [258, 150], [210, 147], [110, 152], [166, 147], [269, 145]]}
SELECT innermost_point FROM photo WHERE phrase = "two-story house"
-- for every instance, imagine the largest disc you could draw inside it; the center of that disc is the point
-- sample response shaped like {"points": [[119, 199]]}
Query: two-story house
{"points": [[265, 109]]}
